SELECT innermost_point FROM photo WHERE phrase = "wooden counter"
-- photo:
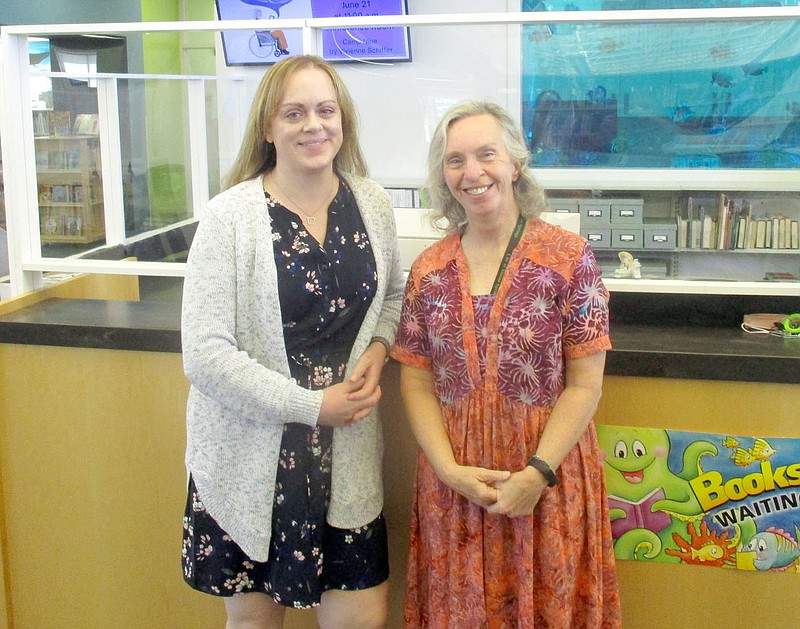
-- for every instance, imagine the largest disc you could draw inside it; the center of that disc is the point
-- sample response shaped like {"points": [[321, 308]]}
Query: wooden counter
{"points": [[92, 402]]}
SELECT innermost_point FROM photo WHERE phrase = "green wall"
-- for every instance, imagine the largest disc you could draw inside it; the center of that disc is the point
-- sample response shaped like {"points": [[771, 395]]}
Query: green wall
{"points": [[166, 126]]}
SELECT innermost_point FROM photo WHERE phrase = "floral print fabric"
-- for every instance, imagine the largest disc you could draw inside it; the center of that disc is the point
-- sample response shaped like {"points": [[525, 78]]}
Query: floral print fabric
{"points": [[325, 291], [498, 366]]}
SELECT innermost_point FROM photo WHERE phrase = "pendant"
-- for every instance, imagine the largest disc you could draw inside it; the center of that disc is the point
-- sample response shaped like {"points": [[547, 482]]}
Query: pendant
{"points": [[311, 220]]}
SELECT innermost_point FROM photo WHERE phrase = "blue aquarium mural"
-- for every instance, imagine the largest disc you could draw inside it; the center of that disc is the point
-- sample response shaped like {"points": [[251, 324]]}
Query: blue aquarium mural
{"points": [[660, 95]]}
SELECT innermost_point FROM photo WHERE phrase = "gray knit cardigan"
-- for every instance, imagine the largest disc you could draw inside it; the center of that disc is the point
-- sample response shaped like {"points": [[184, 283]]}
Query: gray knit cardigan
{"points": [[241, 391]]}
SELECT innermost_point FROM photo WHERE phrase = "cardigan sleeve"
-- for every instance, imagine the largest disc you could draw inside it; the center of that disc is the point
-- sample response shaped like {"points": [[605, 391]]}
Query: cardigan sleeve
{"points": [[218, 334], [395, 281]]}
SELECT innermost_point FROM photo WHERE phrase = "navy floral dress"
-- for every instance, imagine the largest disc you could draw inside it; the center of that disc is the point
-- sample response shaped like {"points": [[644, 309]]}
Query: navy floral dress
{"points": [[325, 292]]}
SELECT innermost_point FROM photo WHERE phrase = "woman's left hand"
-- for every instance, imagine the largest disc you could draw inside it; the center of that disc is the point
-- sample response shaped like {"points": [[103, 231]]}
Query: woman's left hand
{"points": [[368, 368], [518, 495]]}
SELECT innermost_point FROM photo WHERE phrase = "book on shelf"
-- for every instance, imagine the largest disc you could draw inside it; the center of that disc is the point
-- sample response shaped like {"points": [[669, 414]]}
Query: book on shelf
{"points": [[60, 123], [752, 225], [41, 122], [775, 226], [780, 276], [709, 230], [56, 160], [695, 241], [74, 225], [742, 227], [794, 235], [761, 234], [723, 221], [680, 237], [42, 160], [782, 232], [85, 124], [60, 194], [73, 159], [738, 212], [695, 215], [53, 223], [741, 232]]}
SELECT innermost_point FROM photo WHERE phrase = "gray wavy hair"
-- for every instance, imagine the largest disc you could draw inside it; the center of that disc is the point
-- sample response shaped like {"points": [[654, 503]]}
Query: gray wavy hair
{"points": [[447, 213]]}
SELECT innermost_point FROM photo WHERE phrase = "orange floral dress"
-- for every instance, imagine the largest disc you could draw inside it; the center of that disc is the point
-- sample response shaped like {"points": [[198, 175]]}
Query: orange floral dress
{"points": [[498, 364]]}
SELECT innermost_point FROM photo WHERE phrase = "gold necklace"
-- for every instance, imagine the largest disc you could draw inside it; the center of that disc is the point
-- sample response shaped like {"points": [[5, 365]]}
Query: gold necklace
{"points": [[310, 219]]}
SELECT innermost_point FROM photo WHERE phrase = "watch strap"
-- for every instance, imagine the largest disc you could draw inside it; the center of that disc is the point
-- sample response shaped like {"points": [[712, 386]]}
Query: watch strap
{"points": [[538, 463]]}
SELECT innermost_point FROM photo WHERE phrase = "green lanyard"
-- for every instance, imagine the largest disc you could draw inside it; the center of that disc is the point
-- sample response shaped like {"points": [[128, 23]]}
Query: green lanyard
{"points": [[513, 242]]}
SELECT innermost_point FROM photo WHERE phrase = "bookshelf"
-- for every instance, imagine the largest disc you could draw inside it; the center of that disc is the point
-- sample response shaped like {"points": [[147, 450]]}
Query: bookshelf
{"points": [[70, 188], [653, 217], [692, 234]]}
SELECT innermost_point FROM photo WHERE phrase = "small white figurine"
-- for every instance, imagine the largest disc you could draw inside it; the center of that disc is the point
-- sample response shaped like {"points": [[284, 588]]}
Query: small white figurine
{"points": [[628, 266]]}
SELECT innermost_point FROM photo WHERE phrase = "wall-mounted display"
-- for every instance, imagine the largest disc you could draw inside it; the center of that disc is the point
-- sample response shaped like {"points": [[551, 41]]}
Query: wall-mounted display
{"points": [[267, 45]]}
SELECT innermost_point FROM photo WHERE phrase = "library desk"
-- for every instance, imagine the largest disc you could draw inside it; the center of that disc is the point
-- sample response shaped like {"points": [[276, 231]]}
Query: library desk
{"points": [[92, 395]]}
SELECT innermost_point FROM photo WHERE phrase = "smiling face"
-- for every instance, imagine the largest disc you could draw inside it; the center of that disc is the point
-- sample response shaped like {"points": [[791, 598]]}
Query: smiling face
{"points": [[478, 169], [307, 127]]}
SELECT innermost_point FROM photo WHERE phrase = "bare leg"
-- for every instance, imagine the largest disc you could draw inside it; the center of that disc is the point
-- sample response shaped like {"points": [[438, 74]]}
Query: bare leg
{"points": [[360, 609], [253, 611]]}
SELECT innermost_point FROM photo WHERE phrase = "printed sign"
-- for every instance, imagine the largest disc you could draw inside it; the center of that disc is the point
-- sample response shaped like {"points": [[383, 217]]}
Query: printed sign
{"points": [[703, 499]]}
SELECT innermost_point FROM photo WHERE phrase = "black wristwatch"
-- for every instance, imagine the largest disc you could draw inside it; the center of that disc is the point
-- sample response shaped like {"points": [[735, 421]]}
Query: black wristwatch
{"points": [[543, 466]]}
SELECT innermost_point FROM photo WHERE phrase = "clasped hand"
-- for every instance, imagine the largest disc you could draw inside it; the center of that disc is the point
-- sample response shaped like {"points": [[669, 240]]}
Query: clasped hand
{"points": [[506, 493], [354, 398]]}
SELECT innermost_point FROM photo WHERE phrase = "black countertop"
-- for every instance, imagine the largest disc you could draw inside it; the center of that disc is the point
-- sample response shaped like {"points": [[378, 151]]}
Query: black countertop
{"points": [[150, 326], [702, 353], [691, 352]]}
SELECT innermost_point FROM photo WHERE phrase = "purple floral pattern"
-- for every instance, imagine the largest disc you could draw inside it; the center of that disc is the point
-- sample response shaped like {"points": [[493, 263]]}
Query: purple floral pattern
{"points": [[498, 368]]}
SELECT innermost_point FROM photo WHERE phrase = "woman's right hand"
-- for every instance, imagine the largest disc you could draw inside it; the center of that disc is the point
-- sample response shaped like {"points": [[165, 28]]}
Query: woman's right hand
{"points": [[476, 484], [338, 410]]}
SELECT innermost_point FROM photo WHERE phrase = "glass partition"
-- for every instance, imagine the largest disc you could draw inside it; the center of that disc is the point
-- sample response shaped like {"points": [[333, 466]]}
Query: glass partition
{"points": [[154, 167]]}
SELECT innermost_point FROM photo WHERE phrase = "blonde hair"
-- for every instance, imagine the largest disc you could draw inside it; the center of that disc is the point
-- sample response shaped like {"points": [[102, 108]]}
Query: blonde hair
{"points": [[446, 212], [257, 156]]}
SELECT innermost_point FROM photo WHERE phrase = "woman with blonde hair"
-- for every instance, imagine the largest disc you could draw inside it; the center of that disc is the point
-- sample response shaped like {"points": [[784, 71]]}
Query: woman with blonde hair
{"points": [[291, 300]]}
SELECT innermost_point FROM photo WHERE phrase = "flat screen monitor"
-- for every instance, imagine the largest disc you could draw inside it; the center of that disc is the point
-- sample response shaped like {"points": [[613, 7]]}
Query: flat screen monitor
{"points": [[268, 45]]}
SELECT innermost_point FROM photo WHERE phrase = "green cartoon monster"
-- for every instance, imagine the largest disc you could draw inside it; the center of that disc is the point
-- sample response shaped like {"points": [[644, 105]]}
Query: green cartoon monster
{"points": [[648, 501]]}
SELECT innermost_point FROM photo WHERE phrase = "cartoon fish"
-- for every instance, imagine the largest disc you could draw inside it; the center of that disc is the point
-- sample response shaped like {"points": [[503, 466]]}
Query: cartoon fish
{"points": [[754, 69], [708, 552], [730, 442], [774, 549], [742, 457], [761, 449], [721, 79]]}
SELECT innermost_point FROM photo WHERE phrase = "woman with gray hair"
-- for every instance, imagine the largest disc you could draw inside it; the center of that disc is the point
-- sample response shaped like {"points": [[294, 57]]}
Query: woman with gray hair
{"points": [[502, 342]]}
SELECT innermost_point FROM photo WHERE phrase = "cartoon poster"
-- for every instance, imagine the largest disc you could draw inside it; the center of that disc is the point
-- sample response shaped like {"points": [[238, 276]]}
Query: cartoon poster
{"points": [[703, 499]]}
